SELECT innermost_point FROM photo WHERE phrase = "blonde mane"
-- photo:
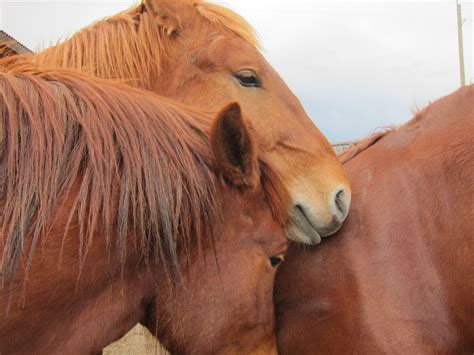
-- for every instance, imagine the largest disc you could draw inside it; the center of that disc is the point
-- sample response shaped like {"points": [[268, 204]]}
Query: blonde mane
{"points": [[131, 46]]}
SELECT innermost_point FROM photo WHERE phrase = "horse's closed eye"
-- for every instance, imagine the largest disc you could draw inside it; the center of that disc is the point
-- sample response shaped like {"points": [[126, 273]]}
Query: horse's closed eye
{"points": [[276, 260]]}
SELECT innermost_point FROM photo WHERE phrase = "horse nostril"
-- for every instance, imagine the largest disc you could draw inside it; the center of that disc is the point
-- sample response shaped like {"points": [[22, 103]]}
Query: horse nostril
{"points": [[339, 201]]}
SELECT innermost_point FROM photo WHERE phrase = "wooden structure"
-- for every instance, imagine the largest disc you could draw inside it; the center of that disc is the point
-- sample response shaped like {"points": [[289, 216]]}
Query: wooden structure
{"points": [[10, 46]]}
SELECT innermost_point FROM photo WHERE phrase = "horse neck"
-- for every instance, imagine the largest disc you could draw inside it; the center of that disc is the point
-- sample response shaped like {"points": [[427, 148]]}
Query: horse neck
{"points": [[100, 301], [107, 315]]}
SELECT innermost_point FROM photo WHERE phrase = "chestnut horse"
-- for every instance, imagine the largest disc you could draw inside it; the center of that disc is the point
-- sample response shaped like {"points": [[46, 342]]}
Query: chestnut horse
{"points": [[207, 56], [399, 276], [117, 207]]}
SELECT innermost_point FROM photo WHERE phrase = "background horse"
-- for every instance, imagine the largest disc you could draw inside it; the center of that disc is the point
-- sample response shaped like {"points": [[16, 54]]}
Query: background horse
{"points": [[399, 276], [207, 56], [115, 210]]}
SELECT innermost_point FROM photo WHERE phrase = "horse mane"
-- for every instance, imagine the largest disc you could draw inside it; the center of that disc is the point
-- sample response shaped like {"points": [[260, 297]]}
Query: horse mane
{"points": [[139, 165], [131, 46], [363, 145]]}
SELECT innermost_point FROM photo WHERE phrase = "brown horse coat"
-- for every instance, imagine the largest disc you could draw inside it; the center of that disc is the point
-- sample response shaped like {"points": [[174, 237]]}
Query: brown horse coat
{"points": [[399, 276], [118, 206]]}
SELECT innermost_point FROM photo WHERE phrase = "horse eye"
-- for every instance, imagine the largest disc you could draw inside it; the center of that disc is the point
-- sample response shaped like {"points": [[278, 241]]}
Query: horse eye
{"points": [[248, 78], [275, 260]]}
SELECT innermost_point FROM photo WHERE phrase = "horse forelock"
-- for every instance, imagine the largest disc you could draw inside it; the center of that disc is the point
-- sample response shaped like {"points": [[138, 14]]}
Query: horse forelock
{"points": [[228, 19], [131, 164], [131, 46]]}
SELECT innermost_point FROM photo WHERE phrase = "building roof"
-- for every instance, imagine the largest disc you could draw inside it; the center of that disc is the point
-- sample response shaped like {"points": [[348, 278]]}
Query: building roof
{"points": [[11, 44]]}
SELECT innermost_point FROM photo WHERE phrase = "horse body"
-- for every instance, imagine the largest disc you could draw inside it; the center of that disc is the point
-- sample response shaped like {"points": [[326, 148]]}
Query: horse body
{"points": [[401, 271], [118, 207], [207, 56]]}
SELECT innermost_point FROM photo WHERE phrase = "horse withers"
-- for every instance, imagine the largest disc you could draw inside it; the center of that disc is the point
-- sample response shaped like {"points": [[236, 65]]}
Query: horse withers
{"points": [[206, 56], [118, 207], [399, 276]]}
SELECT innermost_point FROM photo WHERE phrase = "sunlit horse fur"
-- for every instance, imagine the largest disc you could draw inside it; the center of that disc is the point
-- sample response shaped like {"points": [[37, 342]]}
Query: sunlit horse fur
{"points": [[207, 56], [115, 210], [401, 274]]}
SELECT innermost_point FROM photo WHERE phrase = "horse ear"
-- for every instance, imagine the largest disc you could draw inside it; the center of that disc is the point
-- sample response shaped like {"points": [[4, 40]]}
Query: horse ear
{"points": [[234, 148], [164, 15]]}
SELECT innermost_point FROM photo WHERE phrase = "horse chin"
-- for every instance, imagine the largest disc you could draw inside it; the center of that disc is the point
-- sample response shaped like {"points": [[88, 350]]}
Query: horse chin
{"points": [[332, 232], [301, 232]]}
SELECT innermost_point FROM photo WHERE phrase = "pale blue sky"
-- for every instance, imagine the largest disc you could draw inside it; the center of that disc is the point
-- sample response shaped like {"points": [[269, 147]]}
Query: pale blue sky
{"points": [[355, 65]]}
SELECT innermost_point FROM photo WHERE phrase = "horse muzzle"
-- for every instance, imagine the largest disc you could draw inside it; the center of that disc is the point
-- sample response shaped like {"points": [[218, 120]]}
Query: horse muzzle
{"points": [[309, 221]]}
